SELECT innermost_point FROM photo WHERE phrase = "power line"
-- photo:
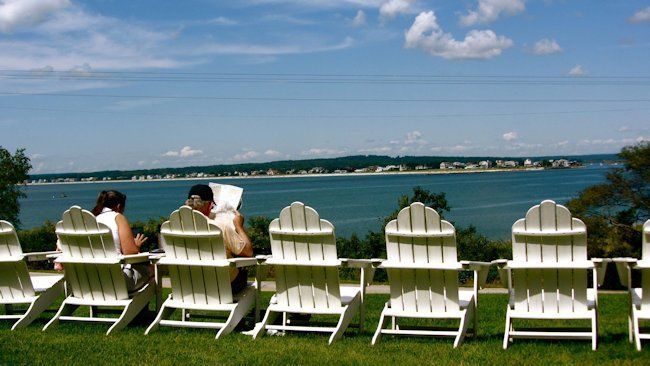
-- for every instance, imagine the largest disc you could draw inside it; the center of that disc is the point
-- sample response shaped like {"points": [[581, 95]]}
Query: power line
{"points": [[338, 116], [418, 75], [338, 100]]}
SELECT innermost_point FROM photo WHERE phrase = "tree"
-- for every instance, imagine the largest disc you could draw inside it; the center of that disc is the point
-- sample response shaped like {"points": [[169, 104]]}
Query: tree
{"points": [[14, 170], [613, 211]]}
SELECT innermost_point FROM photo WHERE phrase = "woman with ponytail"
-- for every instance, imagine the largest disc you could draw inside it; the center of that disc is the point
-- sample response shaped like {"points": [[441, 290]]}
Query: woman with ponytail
{"points": [[110, 212]]}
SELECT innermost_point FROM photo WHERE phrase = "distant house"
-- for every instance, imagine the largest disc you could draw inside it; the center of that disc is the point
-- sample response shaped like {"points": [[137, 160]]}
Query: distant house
{"points": [[458, 165], [560, 163], [528, 163], [510, 164], [485, 164], [446, 165], [272, 172], [422, 167]]}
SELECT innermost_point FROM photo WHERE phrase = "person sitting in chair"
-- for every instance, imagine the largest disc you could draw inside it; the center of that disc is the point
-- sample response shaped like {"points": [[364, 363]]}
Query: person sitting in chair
{"points": [[235, 238]]}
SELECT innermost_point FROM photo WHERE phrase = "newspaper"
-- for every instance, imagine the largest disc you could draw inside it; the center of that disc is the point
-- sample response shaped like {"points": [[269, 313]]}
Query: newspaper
{"points": [[228, 198]]}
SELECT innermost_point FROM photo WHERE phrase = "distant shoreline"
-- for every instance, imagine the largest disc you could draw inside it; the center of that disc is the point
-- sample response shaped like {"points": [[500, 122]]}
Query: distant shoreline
{"points": [[420, 172]]}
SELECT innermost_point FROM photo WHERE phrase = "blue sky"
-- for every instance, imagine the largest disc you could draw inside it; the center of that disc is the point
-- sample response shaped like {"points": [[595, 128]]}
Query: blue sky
{"points": [[94, 85]]}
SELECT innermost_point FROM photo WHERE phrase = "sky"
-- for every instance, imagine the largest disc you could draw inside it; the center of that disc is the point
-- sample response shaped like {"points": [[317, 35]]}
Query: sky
{"points": [[97, 85]]}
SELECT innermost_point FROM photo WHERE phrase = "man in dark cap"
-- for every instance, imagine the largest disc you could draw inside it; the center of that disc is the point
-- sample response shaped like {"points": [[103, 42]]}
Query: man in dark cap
{"points": [[235, 238]]}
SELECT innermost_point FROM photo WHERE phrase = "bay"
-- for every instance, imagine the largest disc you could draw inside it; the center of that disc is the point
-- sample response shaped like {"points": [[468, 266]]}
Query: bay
{"points": [[491, 201]]}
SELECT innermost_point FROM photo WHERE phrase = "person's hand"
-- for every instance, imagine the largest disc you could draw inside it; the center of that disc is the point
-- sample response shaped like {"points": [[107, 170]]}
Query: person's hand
{"points": [[238, 220], [58, 266], [139, 240]]}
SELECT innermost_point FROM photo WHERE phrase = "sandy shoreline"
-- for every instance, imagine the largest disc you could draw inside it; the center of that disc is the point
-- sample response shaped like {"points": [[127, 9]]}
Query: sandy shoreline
{"points": [[420, 172]]}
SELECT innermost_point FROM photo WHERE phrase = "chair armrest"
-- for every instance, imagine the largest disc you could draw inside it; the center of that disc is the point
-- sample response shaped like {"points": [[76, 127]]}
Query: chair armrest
{"points": [[624, 268], [601, 268], [480, 271], [504, 275], [475, 265], [261, 258], [500, 262], [135, 258], [242, 262], [356, 263], [41, 256], [376, 262]]}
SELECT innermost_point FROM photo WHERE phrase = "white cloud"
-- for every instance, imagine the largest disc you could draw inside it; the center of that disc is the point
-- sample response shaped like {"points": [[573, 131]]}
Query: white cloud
{"points": [[321, 152], [490, 10], [641, 16], [247, 155], [184, 152], [69, 36], [546, 46], [426, 34], [623, 129], [324, 4], [222, 21], [391, 8], [414, 137], [376, 150], [578, 70], [270, 50], [509, 136], [359, 19], [272, 153], [25, 13]]}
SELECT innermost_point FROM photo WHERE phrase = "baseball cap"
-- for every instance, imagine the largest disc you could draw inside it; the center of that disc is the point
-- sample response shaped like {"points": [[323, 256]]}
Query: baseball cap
{"points": [[203, 191]]}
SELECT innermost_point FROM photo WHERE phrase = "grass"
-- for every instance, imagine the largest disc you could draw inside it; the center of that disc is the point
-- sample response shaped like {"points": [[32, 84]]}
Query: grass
{"points": [[81, 343]]}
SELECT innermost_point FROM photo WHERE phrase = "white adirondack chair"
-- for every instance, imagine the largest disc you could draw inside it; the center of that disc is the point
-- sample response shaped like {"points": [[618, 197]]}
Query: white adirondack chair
{"points": [[640, 296], [93, 270], [18, 286], [200, 274], [547, 277], [306, 266], [423, 271]]}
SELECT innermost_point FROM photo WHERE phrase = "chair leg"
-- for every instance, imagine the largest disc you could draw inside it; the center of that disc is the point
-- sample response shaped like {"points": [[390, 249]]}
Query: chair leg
{"points": [[462, 328], [260, 328], [345, 319], [65, 309], [139, 301], [43, 301], [506, 336], [163, 313], [637, 337], [594, 331], [362, 317], [245, 303], [630, 329], [380, 326]]}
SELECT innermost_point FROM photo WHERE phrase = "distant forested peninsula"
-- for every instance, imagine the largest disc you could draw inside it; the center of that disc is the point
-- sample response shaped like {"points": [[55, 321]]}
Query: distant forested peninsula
{"points": [[325, 165]]}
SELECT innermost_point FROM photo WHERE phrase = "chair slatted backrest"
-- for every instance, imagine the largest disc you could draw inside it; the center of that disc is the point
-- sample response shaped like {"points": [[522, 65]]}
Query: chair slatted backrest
{"points": [[189, 236], [419, 236], [645, 274], [87, 242], [15, 282], [300, 235], [549, 290]]}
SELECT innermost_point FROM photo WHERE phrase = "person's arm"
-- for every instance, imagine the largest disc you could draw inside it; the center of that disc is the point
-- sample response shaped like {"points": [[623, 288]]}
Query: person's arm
{"points": [[129, 244], [247, 250]]}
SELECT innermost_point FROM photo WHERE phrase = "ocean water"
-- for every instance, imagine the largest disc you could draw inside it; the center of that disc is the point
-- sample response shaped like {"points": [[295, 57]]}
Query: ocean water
{"points": [[490, 201]]}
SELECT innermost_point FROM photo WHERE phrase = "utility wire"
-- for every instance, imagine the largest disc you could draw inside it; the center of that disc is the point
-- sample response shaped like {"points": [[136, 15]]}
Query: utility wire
{"points": [[338, 100], [338, 116]]}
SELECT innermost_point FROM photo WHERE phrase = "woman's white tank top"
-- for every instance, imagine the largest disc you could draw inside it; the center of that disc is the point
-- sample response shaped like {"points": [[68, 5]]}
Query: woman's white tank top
{"points": [[107, 217]]}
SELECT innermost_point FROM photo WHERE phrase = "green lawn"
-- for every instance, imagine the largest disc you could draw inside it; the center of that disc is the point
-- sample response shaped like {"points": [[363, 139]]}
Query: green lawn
{"points": [[81, 343]]}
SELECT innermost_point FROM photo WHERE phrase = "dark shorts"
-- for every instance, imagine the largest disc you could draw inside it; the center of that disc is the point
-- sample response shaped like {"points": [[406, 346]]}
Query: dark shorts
{"points": [[136, 275], [239, 283]]}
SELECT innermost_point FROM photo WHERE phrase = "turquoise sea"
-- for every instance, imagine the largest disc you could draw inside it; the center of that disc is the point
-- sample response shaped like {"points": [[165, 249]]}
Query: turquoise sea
{"points": [[353, 203]]}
